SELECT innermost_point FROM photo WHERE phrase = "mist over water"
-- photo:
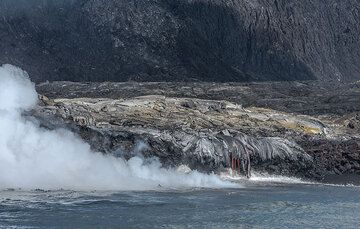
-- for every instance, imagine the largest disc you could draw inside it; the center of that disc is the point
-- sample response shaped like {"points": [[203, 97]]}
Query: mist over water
{"points": [[32, 157]]}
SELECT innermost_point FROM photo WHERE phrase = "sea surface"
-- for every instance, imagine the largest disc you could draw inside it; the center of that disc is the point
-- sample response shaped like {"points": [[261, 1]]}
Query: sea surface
{"points": [[255, 205]]}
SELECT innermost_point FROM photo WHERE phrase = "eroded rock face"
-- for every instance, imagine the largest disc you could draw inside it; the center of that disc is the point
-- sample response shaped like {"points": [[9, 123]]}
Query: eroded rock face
{"points": [[203, 134], [170, 121], [182, 40]]}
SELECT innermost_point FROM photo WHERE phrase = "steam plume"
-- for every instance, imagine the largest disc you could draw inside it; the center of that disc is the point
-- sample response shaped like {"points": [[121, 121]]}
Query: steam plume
{"points": [[33, 157]]}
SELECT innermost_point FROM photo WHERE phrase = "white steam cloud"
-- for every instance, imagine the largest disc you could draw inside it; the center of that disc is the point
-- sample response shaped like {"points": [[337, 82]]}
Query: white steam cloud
{"points": [[33, 157]]}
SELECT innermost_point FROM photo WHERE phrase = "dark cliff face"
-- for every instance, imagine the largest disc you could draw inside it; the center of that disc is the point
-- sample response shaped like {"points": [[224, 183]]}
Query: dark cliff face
{"points": [[176, 40]]}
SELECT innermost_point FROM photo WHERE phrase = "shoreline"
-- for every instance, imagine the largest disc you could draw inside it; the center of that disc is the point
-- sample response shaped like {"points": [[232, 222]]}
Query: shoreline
{"points": [[177, 126]]}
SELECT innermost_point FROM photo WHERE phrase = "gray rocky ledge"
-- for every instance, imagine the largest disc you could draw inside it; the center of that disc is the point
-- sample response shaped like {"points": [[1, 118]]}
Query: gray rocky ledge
{"points": [[205, 133]]}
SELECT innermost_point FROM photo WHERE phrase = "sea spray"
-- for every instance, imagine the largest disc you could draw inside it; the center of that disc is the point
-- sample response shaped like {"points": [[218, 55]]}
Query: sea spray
{"points": [[32, 157]]}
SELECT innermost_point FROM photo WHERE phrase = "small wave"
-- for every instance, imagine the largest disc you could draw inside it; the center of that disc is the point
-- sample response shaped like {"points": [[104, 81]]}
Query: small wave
{"points": [[259, 178], [264, 178]]}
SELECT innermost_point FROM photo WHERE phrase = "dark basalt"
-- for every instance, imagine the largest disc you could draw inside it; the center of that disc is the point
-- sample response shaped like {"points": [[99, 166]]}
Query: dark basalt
{"points": [[310, 98], [171, 122], [182, 40]]}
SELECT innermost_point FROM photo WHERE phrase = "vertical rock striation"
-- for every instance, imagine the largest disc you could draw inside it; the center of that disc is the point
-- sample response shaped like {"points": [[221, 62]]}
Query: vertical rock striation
{"points": [[176, 40]]}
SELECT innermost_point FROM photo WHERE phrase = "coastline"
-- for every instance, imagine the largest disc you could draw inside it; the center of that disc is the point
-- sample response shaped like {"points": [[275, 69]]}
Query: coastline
{"points": [[113, 116]]}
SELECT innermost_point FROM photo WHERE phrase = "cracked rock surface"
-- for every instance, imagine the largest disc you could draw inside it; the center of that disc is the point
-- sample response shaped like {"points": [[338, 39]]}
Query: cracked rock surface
{"points": [[203, 133]]}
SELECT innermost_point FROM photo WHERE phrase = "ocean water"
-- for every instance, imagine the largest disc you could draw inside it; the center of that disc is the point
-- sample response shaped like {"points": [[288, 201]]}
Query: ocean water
{"points": [[257, 204]]}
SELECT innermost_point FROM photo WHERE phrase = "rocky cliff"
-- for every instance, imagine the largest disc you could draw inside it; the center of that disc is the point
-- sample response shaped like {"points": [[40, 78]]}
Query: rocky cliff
{"points": [[182, 40], [178, 127]]}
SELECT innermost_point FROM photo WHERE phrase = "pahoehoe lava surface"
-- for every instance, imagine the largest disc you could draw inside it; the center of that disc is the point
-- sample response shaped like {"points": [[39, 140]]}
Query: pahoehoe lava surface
{"points": [[202, 124], [209, 40]]}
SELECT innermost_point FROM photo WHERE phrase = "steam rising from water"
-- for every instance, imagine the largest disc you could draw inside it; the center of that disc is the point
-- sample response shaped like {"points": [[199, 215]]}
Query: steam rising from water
{"points": [[32, 157]]}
